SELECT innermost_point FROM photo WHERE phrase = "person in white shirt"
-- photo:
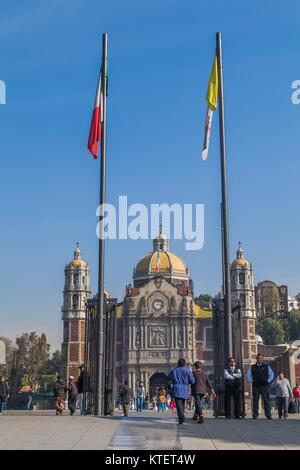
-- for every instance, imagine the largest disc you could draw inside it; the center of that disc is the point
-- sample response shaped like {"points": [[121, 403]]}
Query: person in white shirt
{"points": [[233, 385]]}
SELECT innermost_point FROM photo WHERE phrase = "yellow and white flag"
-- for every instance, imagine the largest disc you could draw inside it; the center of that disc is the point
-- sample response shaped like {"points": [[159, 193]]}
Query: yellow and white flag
{"points": [[212, 100]]}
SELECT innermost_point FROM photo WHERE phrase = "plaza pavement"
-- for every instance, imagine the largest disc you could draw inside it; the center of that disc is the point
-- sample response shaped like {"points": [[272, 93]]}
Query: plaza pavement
{"points": [[148, 430]]}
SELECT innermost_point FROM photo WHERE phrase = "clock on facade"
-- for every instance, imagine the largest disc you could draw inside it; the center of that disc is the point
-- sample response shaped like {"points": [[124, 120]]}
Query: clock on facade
{"points": [[158, 304]]}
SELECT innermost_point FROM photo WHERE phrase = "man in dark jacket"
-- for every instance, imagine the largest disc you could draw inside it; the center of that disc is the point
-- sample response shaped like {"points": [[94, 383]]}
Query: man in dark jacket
{"points": [[233, 386], [72, 395], [260, 375], [3, 392], [199, 389], [181, 377], [82, 386], [125, 397]]}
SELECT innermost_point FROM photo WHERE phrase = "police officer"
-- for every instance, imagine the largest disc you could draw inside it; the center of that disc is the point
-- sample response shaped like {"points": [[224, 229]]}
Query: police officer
{"points": [[233, 385]]}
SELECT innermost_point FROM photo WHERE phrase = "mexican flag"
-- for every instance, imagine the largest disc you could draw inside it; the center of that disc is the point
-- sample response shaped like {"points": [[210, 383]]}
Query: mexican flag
{"points": [[95, 129]]}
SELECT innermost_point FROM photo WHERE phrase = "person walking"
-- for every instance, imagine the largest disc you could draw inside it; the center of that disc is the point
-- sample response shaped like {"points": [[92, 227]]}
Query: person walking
{"points": [[206, 401], [4, 392], [260, 376], [146, 402], [161, 399], [199, 390], [72, 391], [283, 394], [125, 397], [140, 396], [82, 387], [233, 386], [59, 395], [181, 377], [296, 395]]}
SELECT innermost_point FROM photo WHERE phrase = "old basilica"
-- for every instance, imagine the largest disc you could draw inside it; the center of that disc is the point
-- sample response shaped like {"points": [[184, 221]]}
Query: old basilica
{"points": [[159, 320]]}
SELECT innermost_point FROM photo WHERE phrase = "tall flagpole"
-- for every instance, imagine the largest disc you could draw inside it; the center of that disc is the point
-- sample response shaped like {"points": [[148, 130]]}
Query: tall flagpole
{"points": [[226, 249], [99, 409]]}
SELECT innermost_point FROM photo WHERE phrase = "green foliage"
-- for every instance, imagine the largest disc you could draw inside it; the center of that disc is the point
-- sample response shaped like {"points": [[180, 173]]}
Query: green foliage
{"points": [[293, 325], [53, 365], [31, 355], [47, 382], [204, 298], [271, 330], [25, 380]]}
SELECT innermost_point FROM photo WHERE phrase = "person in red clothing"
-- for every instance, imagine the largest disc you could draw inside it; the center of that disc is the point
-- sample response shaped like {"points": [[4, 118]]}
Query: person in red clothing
{"points": [[296, 395]]}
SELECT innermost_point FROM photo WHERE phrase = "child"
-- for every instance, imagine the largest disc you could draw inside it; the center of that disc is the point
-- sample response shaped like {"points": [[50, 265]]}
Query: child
{"points": [[161, 401], [59, 406]]}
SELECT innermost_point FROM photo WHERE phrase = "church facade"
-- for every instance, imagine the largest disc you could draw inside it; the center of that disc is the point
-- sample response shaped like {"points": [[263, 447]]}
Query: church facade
{"points": [[158, 319], [157, 323]]}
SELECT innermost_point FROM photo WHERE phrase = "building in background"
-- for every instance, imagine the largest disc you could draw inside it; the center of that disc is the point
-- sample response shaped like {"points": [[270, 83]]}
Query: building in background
{"points": [[293, 303], [271, 299], [75, 294]]}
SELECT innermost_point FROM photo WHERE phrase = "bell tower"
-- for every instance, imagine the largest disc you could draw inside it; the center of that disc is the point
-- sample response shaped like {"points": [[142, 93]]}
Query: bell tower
{"points": [[75, 294], [242, 289]]}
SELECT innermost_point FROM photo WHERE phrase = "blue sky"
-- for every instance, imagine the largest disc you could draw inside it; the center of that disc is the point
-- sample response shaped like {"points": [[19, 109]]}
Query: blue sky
{"points": [[160, 55]]}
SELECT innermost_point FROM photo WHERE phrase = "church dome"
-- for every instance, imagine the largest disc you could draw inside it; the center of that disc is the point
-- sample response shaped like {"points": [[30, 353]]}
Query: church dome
{"points": [[168, 262], [161, 261], [240, 261], [77, 262]]}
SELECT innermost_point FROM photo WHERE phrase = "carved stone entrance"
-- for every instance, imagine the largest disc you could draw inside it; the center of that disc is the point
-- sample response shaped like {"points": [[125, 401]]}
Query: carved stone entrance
{"points": [[157, 380]]}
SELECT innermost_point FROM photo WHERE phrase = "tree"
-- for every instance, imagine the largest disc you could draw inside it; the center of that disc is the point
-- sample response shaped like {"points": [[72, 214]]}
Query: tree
{"points": [[32, 354], [204, 298], [271, 330], [293, 325], [53, 365]]}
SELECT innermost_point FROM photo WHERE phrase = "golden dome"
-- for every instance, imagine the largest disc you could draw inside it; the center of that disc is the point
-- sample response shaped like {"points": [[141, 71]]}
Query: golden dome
{"points": [[77, 262], [240, 261], [169, 263]]}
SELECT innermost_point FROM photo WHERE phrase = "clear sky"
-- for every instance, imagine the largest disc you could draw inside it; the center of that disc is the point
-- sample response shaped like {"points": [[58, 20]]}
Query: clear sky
{"points": [[160, 55]]}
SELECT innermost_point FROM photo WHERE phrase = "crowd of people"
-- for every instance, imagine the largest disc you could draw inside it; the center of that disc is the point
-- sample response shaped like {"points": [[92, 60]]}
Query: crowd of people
{"points": [[69, 395], [186, 390], [192, 390]]}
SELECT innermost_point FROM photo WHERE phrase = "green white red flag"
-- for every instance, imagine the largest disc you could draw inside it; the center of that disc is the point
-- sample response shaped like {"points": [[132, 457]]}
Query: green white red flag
{"points": [[95, 129]]}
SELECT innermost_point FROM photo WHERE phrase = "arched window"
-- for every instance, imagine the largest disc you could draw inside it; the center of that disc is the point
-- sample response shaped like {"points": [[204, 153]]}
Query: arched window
{"points": [[76, 279], [75, 301], [242, 299], [83, 280], [242, 278]]}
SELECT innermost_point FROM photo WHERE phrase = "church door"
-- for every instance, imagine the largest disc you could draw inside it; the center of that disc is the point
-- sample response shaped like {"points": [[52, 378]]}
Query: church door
{"points": [[157, 380]]}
